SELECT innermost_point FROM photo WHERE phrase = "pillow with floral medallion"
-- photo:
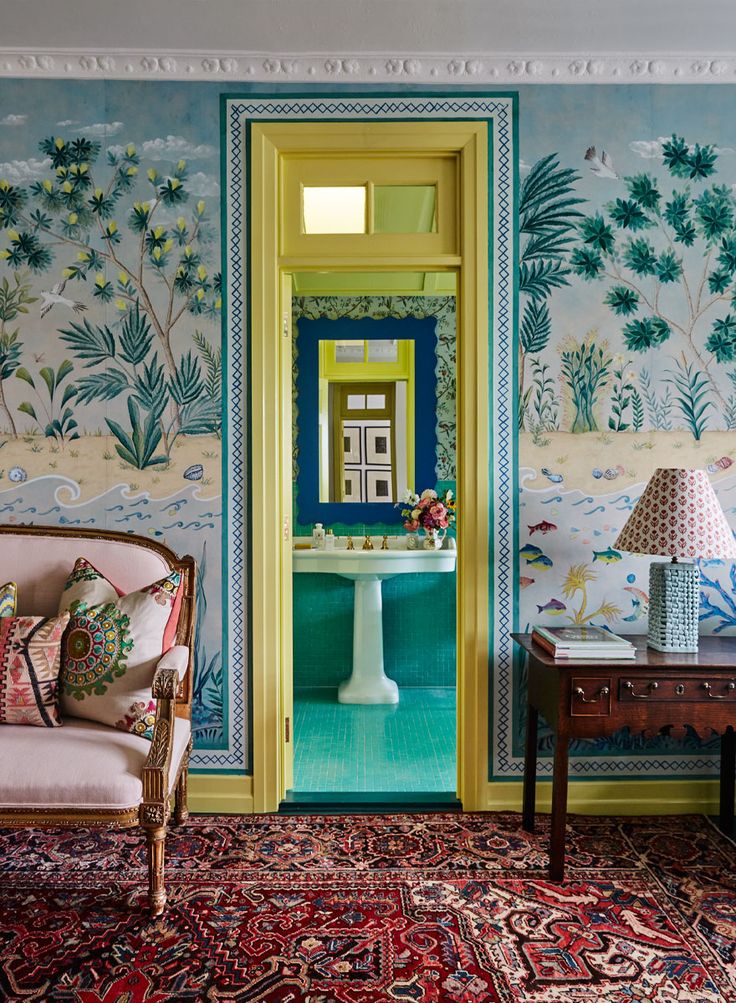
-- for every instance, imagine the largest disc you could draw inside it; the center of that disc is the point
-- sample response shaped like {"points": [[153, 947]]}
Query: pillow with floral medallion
{"points": [[112, 645], [30, 651], [8, 597]]}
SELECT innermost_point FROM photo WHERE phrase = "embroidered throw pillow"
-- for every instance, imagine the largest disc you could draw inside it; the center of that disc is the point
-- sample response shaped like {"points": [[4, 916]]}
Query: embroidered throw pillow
{"points": [[8, 596], [112, 645], [30, 648]]}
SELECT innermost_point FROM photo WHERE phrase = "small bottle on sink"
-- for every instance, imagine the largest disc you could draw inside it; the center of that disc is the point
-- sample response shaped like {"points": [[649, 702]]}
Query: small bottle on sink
{"points": [[329, 541], [318, 537]]}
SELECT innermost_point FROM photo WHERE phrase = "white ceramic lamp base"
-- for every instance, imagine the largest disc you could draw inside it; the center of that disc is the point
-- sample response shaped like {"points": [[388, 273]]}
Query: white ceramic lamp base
{"points": [[368, 683], [674, 606]]}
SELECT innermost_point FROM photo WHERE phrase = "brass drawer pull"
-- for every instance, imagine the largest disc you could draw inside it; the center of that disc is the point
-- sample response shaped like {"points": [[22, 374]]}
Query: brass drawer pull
{"points": [[715, 696], [640, 696], [580, 694]]}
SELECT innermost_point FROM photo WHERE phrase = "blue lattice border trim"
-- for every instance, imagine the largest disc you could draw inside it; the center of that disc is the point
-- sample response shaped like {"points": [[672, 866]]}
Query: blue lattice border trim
{"points": [[499, 112]]}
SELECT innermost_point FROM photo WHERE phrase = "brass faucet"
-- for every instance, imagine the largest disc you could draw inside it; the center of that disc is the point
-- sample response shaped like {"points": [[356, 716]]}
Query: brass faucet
{"points": [[350, 544], [384, 543], [367, 543]]}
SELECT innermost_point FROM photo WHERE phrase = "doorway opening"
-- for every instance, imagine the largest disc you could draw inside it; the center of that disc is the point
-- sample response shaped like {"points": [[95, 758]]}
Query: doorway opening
{"points": [[448, 174], [375, 413]]}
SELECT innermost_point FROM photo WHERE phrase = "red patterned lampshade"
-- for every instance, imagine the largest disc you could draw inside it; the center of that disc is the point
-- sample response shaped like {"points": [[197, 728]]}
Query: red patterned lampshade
{"points": [[678, 515]]}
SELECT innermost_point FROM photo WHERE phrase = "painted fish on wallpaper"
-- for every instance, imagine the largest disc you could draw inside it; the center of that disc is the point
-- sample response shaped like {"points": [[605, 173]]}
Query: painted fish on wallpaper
{"points": [[530, 551], [541, 561], [555, 478], [639, 603], [638, 594], [554, 606], [609, 556], [525, 581], [723, 464], [542, 527]]}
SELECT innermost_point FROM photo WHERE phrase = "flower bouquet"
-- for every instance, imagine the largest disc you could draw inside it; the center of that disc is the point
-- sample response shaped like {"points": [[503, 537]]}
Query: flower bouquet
{"points": [[430, 512]]}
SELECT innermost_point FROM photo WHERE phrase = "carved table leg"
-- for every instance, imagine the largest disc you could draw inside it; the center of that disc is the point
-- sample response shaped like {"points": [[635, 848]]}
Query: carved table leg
{"points": [[728, 780], [559, 809], [530, 768], [181, 808], [155, 840]]}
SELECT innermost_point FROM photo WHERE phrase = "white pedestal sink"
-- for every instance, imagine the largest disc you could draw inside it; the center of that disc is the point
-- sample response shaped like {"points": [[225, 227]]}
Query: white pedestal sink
{"points": [[368, 683]]}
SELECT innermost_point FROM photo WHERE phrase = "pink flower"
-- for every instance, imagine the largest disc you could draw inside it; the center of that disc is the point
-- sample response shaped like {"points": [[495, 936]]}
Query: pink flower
{"points": [[412, 525], [425, 502], [438, 511]]}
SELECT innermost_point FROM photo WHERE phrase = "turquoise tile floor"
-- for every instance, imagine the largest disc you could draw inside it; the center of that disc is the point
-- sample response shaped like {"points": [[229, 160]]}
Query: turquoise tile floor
{"points": [[353, 748]]}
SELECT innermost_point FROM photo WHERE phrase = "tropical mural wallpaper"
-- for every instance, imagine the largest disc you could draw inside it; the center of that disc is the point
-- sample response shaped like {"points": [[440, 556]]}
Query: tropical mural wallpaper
{"points": [[111, 321], [627, 352], [110, 345]]}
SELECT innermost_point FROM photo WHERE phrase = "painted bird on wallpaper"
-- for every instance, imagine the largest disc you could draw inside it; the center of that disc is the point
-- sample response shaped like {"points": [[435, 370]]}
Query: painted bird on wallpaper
{"points": [[53, 296], [601, 166]]}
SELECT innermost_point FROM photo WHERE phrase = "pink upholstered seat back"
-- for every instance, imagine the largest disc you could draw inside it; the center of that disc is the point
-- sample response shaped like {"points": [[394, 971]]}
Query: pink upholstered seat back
{"points": [[41, 564]]}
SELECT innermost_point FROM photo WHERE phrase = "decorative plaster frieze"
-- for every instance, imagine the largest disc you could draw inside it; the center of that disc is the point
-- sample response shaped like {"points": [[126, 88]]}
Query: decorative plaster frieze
{"points": [[495, 68]]}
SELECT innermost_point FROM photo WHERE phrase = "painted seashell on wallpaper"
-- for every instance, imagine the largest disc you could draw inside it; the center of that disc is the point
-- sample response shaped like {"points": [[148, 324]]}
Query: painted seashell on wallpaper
{"points": [[194, 473], [17, 475], [723, 464]]}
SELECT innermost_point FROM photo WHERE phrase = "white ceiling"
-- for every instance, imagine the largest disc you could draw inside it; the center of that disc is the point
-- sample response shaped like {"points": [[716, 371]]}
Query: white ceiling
{"points": [[373, 26]]}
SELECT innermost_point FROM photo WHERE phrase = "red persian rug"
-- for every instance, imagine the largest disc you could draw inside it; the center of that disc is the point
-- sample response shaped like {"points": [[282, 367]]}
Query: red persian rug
{"points": [[351, 909]]}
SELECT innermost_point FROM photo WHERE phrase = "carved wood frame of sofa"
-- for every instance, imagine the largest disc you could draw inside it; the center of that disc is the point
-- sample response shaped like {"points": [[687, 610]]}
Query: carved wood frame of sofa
{"points": [[112, 777]]}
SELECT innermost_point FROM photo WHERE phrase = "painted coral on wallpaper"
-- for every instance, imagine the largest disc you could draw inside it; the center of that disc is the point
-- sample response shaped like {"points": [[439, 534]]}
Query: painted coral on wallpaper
{"points": [[110, 355]]}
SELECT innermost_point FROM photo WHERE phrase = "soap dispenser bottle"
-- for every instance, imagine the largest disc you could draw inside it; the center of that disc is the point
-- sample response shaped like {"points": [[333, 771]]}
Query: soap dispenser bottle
{"points": [[318, 536]]}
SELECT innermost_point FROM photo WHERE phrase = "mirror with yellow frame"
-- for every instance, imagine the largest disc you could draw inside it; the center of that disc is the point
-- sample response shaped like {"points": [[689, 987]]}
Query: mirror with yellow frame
{"points": [[366, 419]]}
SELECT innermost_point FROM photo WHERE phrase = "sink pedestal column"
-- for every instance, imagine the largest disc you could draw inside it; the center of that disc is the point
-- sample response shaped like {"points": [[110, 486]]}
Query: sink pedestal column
{"points": [[368, 683]]}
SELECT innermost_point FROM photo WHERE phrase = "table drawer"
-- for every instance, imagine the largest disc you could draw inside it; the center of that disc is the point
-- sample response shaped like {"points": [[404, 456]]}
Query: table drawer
{"points": [[693, 689], [590, 696]]}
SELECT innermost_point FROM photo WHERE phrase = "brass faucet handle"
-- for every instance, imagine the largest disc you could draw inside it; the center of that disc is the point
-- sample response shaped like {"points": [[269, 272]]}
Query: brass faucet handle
{"points": [[367, 543], [384, 543], [350, 544]]}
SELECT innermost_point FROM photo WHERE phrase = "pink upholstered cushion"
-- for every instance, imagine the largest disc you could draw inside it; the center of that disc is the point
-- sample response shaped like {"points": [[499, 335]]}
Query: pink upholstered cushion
{"points": [[40, 565], [112, 647], [30, 649], [82, 765]]}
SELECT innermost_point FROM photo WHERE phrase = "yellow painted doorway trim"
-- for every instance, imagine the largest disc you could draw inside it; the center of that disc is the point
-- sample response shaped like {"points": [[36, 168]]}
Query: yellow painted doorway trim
{"points": [[463, 252]]}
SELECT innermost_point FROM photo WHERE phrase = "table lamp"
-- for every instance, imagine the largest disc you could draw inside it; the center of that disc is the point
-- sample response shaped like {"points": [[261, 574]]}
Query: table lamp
{"points": [[678, 515]]}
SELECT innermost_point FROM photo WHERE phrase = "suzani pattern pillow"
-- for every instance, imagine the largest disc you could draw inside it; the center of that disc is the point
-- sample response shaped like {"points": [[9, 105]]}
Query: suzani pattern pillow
{"points": [[112, 646], [8, 596], [30, 650]]}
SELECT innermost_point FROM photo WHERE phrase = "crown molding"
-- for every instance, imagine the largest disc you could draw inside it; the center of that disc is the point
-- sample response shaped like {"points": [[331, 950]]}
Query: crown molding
{"points": [[489, 68]]}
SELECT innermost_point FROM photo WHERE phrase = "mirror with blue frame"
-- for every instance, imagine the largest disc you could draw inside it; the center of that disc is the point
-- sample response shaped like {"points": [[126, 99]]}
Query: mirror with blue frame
{"points": [[366, 430]]}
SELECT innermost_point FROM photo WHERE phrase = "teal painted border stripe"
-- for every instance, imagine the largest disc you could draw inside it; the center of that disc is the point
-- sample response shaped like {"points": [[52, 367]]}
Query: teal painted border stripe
{"points": [[459, 105]]}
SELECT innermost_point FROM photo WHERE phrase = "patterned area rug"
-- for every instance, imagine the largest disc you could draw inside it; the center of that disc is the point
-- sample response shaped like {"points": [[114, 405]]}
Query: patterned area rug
{"points": [[351, 909]]}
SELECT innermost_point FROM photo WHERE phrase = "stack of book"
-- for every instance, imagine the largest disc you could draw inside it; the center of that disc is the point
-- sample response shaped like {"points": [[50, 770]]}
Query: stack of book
{"points": [[582, 642]]}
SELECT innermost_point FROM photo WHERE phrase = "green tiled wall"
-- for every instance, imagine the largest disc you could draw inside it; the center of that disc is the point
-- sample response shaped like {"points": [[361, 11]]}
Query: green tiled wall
{"points": [[418, 629]]}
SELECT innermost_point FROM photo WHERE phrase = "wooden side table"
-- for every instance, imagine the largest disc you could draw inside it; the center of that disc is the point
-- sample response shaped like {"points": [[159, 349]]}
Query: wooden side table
{"points": [[591, 699]]}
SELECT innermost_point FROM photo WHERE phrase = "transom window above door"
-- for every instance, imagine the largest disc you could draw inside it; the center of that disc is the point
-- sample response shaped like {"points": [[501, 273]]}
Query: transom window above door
{"points": [[369, 208], [370, 204]]}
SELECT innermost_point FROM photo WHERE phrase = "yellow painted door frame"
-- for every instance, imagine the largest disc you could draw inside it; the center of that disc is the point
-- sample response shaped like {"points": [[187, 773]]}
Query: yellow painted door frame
{"points": [[271, 456]]}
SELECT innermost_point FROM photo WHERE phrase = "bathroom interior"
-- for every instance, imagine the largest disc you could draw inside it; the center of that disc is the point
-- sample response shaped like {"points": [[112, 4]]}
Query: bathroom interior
{"points": [[374, 415]]}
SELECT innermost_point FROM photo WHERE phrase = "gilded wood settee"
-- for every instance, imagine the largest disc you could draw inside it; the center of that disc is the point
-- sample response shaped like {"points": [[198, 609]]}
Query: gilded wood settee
{"points": [[84, 773]]}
